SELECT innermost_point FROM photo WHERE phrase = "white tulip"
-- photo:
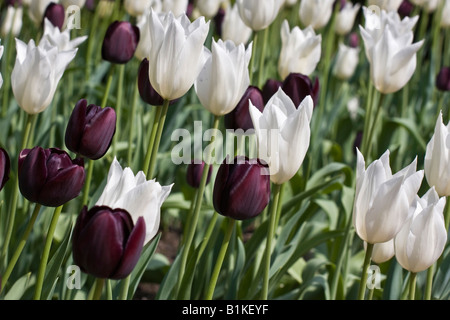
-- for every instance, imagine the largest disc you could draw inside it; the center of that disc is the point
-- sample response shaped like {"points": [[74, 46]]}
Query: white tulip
{"points": [[137, 195], [422, 239], [445, 18], [382, 200], [346, 62], [388, 5], [345, 19], [136, 8], [233, 28], [78, 3], [390, 51], [258, 15], [55, 37], [382, 252], [177, 53], [177, 7], [37, 9], [315, 13], [208, 8], [224, 77], [283, 134], [437, 158], [300, 50], [144, 44], [13, 21], [36, 74]]}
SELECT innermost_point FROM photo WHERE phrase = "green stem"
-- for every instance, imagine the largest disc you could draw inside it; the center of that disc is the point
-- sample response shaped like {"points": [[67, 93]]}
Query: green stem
{"points": [[157, 142], [91, 42], [253, 58], [21, 245], [196, 213], [262, 58], [99, 283], [268, 251], [151, 140], [367, 259], [208, 234], [124, 285], [7, 83], [46, 253], [87, 184], [131, 132], [15, 193], [429, 285], [341, 256], [372, 128], [220, 258], [412, 285], [119, 107], [108, 86]]}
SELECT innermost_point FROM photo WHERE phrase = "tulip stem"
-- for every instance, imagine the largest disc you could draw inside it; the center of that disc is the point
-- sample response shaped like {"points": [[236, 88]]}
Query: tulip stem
{"points": [[262, 58], [157, 141], [87, 184], [119, 107], [131, 132], [151, 140], [46, 253], [253, 57], [15, 193], [220, 258], [108, 87], [412, 285], [197, 207], [99, 283], [16, 255], [367, 259], [124, 285], [429, 284], [268, 251]]}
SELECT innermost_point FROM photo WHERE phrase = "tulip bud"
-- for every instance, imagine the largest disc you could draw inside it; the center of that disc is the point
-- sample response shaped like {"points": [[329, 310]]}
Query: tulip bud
{"points": [[297, 86], [120, 42], [382, 252], [443, 79], [437, 158], [56, 14], [270, 88], [146, 90], [194, 173], [353, 40], [90, 130], [240, 118], [5, 166], [242, 188], [346, 62], [49, 176], [405, 9], [106, 242]]}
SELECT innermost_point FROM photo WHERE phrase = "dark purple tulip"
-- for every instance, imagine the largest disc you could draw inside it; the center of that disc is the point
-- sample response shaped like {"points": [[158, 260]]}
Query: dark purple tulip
{"points": [[358, 140], [297, 86], [405, 9], [218, 20], [353, 40], [90, 130], [270, 88], [56, 14], [146, 91], [194, 173], [240, 118], [49, 176], [242, 188], [443, 79], [120, 42], [106, 242], [5, 167]]}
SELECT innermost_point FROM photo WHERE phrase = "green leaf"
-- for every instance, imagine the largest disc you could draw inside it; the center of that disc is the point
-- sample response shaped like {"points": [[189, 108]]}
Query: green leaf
{"points": [[18, 288]]}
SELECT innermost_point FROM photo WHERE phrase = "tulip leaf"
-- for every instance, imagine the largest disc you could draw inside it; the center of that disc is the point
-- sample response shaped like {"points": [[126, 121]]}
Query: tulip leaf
{"points": [[18, 288], [54, 265], [141, 266], [412, 128]]}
